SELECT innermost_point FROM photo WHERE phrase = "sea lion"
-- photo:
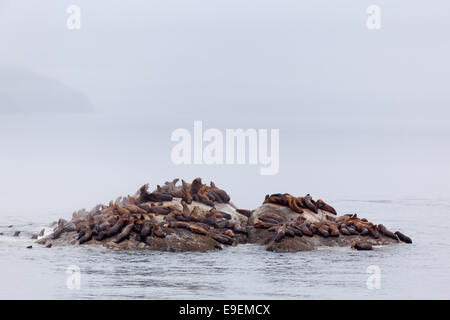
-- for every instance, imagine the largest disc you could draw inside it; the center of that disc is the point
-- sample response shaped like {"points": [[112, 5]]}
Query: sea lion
{"points": [[386, 232], [323, 206], [281, 232], [178, 224], [293, 230], [86, 236], [219, 194], [359, 245], [125, 232], [222, 238], [145, 231], [258, 224], [353, 232], [240, 229], [295, 204], [157, 232], [123, 212], [159, 197], [304, 229], [309, 203], [135, 209], [115, 228], [186, 196], [344, 231], [362, 231], [203, 197], [403, 237], [244, 212], [197, 229], [195, 186], [229, 233], [268, 220], [333, 230]]}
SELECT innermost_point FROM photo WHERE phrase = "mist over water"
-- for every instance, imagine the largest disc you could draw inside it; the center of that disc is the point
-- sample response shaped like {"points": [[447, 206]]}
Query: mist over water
{"points": [[86, 116]]}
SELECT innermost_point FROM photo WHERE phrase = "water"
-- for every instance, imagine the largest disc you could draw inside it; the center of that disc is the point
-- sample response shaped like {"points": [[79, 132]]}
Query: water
{"points": [[417, 271]]}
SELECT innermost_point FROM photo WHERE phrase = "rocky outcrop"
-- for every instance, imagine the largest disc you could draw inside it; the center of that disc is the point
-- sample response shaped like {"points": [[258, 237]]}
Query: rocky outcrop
{"points": [[197, 217], [189, 217]]}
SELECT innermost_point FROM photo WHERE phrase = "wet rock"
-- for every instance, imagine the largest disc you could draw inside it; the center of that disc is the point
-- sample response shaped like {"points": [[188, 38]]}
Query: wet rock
{"points": [[197, 217]]}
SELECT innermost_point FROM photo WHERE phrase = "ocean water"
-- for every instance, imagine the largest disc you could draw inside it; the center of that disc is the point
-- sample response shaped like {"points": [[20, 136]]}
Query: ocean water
{"points": [[416, 271]]}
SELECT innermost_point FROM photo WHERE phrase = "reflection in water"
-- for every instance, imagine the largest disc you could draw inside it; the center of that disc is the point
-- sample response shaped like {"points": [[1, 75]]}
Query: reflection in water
{"points": [[244, 272]]}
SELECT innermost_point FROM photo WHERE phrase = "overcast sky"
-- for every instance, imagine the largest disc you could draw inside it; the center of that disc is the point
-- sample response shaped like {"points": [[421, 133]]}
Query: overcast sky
{"points": [[361, 113]]}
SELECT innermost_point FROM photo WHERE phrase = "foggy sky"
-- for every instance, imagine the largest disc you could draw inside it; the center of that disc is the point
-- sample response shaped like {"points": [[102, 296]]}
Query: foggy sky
{"points": [[361, 113]]}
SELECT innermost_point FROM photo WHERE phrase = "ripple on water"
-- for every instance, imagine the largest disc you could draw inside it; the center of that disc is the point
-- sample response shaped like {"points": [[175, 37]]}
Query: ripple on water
{"points": [[419, 270]]}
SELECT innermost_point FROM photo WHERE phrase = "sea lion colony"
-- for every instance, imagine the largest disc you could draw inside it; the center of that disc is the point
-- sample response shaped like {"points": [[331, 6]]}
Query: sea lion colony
{"points": [[195, 216]]}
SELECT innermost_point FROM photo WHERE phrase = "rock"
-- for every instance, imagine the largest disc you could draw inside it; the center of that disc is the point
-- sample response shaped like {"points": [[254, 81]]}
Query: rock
{"points": [[197, 217], [29, 247], [34, 236], [16, 234]]}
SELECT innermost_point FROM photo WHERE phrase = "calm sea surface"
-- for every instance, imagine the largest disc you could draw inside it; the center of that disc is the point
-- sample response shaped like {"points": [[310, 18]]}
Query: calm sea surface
{"points": [[417, 271]]}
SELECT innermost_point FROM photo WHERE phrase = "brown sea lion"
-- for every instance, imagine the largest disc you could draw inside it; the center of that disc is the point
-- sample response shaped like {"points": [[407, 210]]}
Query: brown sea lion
{"points": [[309, 203], [229, 233], [157, 232], [178, 224], [360, 245], [197, 229], [362, 231], [281, 232], [304, 229], [145, 230], [222, 238], [381, 228], [116, 227], [125, 232], [323, 206], [353, 231], [344, 231], [195, 186], [203, 197], [87, 235], [403, 237], [186, 196], [160, 197], [244, 212], [258, 224], [134, 209], [295, 204], [268, 220], [219, 194]]}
